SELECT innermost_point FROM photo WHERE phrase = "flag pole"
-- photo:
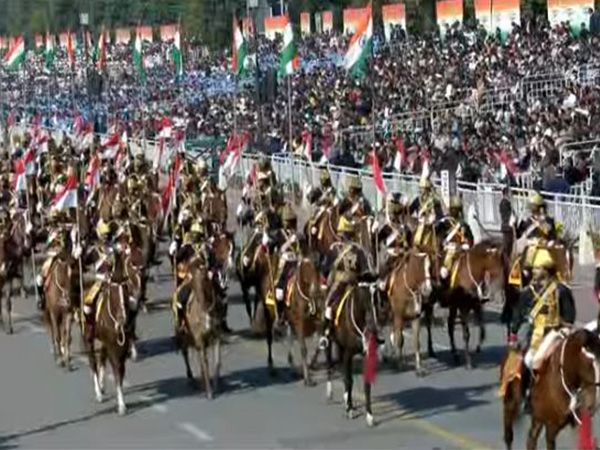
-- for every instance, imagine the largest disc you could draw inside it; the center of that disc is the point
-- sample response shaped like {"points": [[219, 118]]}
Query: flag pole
{"points": [[291, 132], [79, 258], [29, 222]]}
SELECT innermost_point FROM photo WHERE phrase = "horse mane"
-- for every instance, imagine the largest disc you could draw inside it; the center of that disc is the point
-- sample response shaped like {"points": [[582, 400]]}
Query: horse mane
{"points": [[486, 244]]}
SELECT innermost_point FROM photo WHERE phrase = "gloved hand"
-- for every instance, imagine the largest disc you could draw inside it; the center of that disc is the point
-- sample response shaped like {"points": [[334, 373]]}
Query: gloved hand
{"points": [[173, 248], [77, 252], [265, 239], [513, 341]]}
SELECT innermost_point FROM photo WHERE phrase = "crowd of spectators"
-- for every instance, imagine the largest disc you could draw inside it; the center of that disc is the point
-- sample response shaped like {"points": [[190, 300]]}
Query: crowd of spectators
{"points": [[472, 103]]}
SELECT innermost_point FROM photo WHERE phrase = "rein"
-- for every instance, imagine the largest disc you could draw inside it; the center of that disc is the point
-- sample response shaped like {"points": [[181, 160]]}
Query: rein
{"points": [[119, 328], [311, 303]]}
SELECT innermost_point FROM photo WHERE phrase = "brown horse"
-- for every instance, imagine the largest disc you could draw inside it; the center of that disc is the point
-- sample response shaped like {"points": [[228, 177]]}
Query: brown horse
{"points": [[409, 282], [62, 298], [563, 391], [304, 302], [354, 332], [202, 326], [111, 328], [473, 269], [14, 245], [322, 233], [215, 210]]}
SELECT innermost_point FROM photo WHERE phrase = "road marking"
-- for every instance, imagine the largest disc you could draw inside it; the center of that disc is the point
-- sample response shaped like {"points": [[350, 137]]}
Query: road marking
{"points": [[155, 406], [196, 432]]}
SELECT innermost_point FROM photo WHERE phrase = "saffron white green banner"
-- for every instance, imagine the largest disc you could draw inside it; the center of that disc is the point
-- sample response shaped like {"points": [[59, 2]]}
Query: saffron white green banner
{"points": [[576, 12], [352, 18], [274, 25], [393, 15], [498, 14], [448, 13]]}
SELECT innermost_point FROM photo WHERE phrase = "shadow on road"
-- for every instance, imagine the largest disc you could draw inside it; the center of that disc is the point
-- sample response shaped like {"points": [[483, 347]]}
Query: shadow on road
{"points": [[424, 402]]}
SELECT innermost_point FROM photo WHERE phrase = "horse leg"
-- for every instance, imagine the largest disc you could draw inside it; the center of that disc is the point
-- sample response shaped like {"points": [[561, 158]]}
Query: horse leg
{"points": [[203, 362], [303, 355], [348, 381], [68, 323], [369, 411], [478, 311], [117, 362], [464, 321], [269, 323], [397, 338], [551, 433], [186, 360], [290, 345], [217, 358], [9, 330], [329, 357], [416, 332], [511, 402], [534, 433], [55, 334], [97, 368], [428, 313], [452, 312]]}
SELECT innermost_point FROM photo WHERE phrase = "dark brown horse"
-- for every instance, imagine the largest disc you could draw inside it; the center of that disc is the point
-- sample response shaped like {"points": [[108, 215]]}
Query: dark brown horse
{"points": [[473, 274], [112, 329], [214, 207], [408, 285], [15, 244], [322, 233], [62, 299], [202, 326], [355, 329], [564, 390], [304, 308], [248, 274]]}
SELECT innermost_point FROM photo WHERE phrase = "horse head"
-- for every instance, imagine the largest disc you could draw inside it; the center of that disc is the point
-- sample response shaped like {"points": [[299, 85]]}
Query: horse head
{"points": [[486, 259], [419, 271]]}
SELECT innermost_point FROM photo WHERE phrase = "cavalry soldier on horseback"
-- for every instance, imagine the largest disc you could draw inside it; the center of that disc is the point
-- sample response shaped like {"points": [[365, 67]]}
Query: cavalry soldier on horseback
{"points": [[429, 210], [546, 305], [354, 203], [55, 245], [350, 264], [323, 198], [539, 231], [291, 251], [459, 236], [194, 246], [394, 234]]}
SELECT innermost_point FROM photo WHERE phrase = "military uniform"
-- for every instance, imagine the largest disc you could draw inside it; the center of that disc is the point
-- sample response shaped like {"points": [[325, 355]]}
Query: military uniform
{"points": [[395, 236], [323, 198], [354, 204], [193, 246], [538, 230], [545, 306], [290, 251], [428, 209], [459, 236], [350, 263], [55, 244]]}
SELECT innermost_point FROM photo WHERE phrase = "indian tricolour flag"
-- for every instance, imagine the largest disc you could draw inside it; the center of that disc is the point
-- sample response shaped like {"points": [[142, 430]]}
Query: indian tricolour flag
{"points": [[360, 45], [239, 49], [100, 51], [289, 56], [67, 197], [177, 55], [138, 59], [49, 53], [15, 54]]}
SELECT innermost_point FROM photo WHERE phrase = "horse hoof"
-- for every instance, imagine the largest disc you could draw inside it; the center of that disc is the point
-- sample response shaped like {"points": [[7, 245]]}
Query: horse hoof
{"points": [[209, 395], [329, 391], [370, 420], [10, 331], [99, 398], [309, 382], [122, 410], [350, 414], [422, 372], [478, 349]]}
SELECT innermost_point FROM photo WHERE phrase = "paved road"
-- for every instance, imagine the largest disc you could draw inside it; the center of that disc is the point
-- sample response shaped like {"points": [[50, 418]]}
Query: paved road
{"points": [[41, 406]]}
